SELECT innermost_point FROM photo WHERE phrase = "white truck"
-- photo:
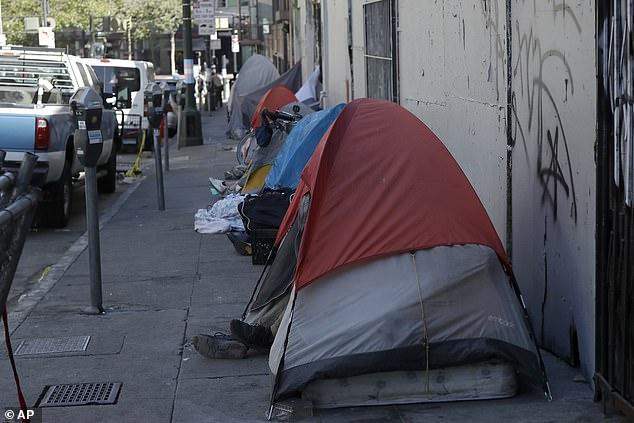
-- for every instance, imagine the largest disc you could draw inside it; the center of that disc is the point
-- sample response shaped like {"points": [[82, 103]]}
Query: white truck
{"points": [[135, 75], [35, 87]]}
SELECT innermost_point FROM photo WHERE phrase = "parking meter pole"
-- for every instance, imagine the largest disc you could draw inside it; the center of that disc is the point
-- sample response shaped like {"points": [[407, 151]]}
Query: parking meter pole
{"points": [[3, 154], [160, 194], [94, 247], [87, 107], [166, 143]]}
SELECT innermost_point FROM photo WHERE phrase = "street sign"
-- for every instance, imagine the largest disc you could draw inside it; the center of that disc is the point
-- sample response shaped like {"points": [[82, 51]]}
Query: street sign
{"points": [[222, 23], [46, 37], [235, 43], [205, 29], [204, 15], [31, 24], [215, 44]]}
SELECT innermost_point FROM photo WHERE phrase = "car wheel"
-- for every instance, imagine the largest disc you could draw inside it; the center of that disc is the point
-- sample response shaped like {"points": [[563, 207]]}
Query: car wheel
{"points": [[58, 211], [107, 184]]}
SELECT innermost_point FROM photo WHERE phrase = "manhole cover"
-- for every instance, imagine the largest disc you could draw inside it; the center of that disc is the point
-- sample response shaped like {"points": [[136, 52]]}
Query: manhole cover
{"points": [[80, 394], [52, 345]]}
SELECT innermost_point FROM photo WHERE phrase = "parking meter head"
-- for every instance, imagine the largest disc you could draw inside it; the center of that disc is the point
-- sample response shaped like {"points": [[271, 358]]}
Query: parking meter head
{"points": [[154, 94], [181, 90], [168, 91], [87, 107]]}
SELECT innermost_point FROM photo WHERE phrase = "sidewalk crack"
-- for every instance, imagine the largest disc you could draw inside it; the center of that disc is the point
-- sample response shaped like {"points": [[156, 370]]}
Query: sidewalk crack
{"points": [[184, 340]]}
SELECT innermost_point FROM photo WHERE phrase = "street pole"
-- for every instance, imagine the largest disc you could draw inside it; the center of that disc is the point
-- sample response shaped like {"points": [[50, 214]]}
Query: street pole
{"points": [[160, 188], [92, 37], [190, 123], [238, 31], [45, 12], [166, 142]]}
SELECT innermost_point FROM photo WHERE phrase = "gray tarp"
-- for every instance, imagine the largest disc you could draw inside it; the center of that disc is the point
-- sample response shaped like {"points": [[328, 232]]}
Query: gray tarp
{"points": [[291, 79], [374, 317], [257, 72]]}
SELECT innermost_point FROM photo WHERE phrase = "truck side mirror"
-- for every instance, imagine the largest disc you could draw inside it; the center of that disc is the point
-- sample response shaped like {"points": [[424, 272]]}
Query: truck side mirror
{"points": [[123, 96]]}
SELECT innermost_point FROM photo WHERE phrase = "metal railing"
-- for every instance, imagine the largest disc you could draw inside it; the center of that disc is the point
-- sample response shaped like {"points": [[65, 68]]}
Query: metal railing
{"points": [[18, 202]]}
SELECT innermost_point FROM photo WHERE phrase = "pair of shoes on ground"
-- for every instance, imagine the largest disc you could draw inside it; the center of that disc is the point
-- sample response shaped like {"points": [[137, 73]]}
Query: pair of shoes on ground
{"points": [[235, 346]]}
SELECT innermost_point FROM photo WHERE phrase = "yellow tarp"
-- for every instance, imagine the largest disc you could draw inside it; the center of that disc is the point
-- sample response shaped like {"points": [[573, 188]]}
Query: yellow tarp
{"points": [[256, 178]]}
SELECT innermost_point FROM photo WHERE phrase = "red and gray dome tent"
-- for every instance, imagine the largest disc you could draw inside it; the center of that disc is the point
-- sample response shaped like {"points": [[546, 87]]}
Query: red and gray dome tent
{"points": [[398, 266]]}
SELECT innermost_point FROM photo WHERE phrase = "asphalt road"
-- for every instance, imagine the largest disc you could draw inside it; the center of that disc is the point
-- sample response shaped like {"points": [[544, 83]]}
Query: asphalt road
{"points": [[45, 246]]}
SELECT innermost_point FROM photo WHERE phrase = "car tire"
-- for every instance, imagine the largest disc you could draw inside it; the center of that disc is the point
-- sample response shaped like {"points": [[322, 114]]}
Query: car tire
{"points": [[58, 211], [107, 184]]}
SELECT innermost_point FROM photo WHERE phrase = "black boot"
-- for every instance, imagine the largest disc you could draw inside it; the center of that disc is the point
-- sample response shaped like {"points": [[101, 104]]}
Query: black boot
{"points": [[254, 336], [219, 346]]}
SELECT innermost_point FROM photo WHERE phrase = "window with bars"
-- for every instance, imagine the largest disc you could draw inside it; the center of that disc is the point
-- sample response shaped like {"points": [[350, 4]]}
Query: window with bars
{"points": [[381, 61]]}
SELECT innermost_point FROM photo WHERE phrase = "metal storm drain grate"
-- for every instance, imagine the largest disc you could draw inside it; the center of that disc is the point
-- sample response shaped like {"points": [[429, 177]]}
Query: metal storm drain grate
{"points": [[80, 394], [52, 345]]}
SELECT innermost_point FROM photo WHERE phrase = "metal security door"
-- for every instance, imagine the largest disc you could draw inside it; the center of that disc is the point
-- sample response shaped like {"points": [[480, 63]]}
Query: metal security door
{"points": [[614, 377]]}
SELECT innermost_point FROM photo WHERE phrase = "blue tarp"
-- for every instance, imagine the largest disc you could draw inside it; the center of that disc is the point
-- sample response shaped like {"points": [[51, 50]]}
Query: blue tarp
{"points": [[299, 146]]}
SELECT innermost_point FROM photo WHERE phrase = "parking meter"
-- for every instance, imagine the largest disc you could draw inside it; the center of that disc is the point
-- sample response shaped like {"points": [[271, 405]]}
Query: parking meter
{"points": [[87, 108], [181, 94], [155, 105], [154, 96]]}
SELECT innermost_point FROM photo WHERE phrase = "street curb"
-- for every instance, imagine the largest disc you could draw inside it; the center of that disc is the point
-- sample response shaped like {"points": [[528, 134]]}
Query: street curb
{"points": [[28, 300]]}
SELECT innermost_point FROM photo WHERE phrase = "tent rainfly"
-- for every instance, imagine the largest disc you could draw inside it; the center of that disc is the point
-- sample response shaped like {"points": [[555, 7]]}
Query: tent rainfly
{"points": [[396, 266]]}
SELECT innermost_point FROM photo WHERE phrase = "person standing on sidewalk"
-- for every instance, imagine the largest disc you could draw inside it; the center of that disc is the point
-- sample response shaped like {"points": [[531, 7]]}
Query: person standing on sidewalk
{"points": [[217, 87]]}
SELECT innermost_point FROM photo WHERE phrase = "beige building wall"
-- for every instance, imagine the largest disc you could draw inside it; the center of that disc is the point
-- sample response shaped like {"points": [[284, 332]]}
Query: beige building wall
{"points": [[337, 79]]}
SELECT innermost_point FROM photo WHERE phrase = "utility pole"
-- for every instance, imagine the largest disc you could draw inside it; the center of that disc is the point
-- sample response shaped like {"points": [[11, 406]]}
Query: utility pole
{"points": [[190, 124], [237, 31], [45, 12], [92, 37]]}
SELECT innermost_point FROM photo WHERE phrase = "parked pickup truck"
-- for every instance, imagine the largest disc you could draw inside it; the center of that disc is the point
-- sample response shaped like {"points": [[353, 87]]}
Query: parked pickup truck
{"points": [[36, 85]]}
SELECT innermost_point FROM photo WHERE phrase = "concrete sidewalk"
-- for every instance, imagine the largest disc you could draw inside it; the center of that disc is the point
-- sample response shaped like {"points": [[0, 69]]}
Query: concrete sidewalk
{"points": [[164, 283]]}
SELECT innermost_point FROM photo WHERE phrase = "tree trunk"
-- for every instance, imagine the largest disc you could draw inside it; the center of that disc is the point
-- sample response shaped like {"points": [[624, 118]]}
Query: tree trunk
{"points": [[173, 52]]}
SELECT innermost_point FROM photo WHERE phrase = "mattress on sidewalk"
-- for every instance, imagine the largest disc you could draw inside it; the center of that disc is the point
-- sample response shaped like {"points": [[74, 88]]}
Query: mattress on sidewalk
{"points": [[486, 380]]}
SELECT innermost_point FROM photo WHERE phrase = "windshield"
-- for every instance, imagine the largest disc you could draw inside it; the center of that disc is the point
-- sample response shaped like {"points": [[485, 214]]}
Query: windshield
{"points": [[111, 75]]}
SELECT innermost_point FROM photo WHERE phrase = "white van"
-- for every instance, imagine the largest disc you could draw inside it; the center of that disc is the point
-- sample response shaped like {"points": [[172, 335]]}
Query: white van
{"points": [[137, 75]]}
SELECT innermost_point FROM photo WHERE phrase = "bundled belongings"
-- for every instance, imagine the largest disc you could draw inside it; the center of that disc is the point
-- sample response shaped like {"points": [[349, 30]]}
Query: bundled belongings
{"points": [[262, 215], [221, 217], [261, 157], [265, 210], [397, 274]]}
